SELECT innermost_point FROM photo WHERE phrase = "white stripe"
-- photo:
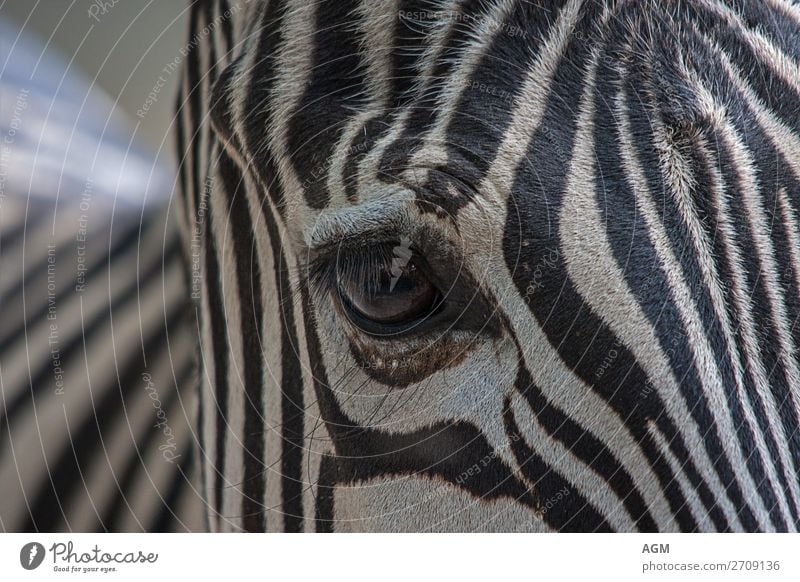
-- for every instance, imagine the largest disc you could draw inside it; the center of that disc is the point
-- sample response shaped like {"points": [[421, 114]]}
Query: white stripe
{"points": [[790, 221], [590, 264], [271, 350], [787, 8], [682, 192], [594, 488], [192, 506], [704, 360], [234, 444], [529, 109], [368, 168], [374, 21], [147, 493], [105, 469], [759, 228], [317, 440], [241, 86], [434, 150], [37, 442], [704, 523], [21, 361], [785, 139], [771, 56], [293, 68], [206, 453], [421, 504]]}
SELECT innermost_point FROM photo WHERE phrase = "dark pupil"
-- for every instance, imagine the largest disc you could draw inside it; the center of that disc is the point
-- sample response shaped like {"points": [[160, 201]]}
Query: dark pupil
{"points": [[393, 297]]}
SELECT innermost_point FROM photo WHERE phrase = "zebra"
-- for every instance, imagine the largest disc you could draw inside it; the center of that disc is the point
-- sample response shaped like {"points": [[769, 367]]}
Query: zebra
{"points": [[455, 266], [496, 265]]}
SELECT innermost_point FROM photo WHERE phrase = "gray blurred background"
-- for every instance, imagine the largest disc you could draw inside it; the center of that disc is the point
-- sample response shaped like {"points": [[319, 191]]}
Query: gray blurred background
{"points": [[96, 349], [120, 45]]}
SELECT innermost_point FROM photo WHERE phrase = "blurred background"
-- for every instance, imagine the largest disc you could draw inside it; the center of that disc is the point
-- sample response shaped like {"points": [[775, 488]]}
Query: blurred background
{"points": [[119, 46], [97, 403]]}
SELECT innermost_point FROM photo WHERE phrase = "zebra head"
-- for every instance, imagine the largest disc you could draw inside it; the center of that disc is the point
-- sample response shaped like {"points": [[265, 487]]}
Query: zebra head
{"points": [[496, 265]]}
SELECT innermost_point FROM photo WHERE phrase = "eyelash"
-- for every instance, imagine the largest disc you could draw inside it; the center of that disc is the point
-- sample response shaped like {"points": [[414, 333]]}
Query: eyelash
{"points": [[353, 264], [462, 307]]}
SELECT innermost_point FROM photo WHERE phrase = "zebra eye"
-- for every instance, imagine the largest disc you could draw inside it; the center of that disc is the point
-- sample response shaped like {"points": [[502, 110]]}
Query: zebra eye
{"points": [[387, 296]]}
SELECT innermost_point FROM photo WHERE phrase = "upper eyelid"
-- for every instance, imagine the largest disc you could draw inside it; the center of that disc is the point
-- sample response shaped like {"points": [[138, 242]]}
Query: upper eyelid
{"points": [[382, 214], [424, 239], [325, 263], [352, 243], [347, 232]]}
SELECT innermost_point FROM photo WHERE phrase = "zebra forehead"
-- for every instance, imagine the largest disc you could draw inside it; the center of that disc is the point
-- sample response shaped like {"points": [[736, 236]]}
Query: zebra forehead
{"points": [[472, 70]]}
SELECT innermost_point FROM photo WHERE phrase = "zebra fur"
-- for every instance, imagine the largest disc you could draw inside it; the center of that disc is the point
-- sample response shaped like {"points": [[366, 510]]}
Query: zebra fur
{"points": [[593, 178]]}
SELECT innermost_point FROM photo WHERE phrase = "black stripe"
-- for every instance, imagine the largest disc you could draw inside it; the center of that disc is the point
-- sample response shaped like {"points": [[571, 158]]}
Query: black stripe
{"points": [[259, 118], [221, 106], [590, 450], [421, 118], [779, 97], [219, 345], [660, 306], [335, 91], [761, 18], [413, 27], [292, 405], [361, 143], [65, 475], [195, 100], [573, 513], [180, 155], [167, 519], [118, 507], [625, 383], [772, 173], [484, 108], [578, 335], [219, 109], [641, 126], [90, 328], [410, 34], [227, 24], [118, 253], [326, 485], [211, 72], [782, 395], [29, 223], [248, 278]]}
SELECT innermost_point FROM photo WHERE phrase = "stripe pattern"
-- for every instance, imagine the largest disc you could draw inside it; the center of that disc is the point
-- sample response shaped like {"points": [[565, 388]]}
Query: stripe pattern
{"points": [[97, 343], [611, 187], [95, 352]]}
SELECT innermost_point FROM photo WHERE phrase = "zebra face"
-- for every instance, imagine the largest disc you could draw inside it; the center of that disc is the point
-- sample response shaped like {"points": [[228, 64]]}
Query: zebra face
{"points": [[502, 266]]}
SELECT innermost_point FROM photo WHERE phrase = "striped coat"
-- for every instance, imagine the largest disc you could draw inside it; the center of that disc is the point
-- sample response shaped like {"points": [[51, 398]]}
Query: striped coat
{"points": [[504, 265], [495, 265]]}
